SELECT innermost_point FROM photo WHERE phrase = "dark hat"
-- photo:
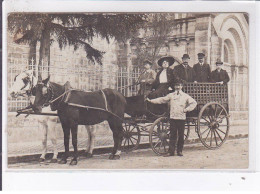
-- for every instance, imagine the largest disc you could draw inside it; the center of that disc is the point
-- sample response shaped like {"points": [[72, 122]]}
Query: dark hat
{"points": [[219, 63], [185, 56], [147, 61], [201, 55], [170, 59]]}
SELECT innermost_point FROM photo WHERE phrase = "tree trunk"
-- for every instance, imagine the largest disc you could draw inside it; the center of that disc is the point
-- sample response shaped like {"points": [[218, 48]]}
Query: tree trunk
{"points": [[44, 58], [32, 56]]}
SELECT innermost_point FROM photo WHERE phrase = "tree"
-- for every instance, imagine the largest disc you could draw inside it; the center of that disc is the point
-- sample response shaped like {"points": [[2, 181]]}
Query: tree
{"points": [[155, 34], [77, 30]]}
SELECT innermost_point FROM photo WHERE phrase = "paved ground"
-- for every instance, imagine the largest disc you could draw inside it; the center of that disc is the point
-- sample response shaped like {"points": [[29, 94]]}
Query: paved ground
{"points": [[232, 155], [35, 147]]}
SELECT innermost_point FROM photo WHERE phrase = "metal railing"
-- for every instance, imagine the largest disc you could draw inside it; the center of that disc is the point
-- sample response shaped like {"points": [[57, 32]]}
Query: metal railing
{"points": [[83, 76]]}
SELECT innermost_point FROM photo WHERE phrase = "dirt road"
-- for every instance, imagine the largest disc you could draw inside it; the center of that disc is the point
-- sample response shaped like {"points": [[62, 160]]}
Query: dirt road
{"points": [[232, 155]]}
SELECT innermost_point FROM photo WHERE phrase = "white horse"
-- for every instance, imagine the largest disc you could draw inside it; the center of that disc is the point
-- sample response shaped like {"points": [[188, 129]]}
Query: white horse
{"points": [[22, 86]]}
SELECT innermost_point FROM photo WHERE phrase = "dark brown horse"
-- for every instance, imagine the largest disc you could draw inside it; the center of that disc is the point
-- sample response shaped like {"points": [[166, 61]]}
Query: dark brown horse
{"points": [[74, 108]]}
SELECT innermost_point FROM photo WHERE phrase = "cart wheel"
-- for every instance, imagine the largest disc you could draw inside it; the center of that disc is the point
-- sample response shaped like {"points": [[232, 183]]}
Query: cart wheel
{"points": [[131, 138], [213, 125], [159, 136]]}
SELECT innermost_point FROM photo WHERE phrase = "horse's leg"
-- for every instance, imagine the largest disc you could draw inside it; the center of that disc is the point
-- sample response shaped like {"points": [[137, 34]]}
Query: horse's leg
{"points": [[52, 134], [74, 133], [91, 130], [120, 138], [66, 132], [117, 136], [44, 141]]}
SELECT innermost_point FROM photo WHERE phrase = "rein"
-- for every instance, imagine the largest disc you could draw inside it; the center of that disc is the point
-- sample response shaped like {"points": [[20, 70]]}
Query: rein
{"points": [[62, 95]]}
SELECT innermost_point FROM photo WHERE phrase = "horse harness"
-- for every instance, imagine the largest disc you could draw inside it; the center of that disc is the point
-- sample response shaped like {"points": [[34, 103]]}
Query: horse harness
{"points": [[66, 95]]}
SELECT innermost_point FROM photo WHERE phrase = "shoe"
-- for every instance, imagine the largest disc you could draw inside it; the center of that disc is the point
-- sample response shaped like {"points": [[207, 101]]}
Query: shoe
{"points": [[168, 155], [179, 154]]}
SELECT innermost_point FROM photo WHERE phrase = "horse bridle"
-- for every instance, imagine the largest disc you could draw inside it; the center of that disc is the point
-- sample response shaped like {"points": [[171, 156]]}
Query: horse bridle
{"points": [[48, 100]]}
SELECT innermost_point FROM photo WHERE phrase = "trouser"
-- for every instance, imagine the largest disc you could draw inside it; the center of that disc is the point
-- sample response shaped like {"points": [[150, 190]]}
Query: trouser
{"points": [[176, 128]]}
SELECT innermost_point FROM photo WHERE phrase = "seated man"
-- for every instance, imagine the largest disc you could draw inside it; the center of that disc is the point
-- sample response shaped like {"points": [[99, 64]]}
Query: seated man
{"points": [[180, 103], [219, 75]]}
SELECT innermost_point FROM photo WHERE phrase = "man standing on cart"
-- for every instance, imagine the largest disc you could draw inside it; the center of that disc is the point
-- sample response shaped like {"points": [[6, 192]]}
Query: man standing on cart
{"points": [[220, 75], [180, 104], [184, 71], [202, 70]]}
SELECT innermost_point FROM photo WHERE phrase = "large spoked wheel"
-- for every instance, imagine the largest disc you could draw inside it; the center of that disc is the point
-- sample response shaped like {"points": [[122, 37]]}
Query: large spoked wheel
{"points": [[131, 137], [213, 125], [159, 135]]}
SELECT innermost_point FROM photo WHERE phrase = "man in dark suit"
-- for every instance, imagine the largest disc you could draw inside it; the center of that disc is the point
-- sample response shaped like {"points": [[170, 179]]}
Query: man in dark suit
{"points": [[219, 75], [165, 78], [184, 71], [201, 69]]}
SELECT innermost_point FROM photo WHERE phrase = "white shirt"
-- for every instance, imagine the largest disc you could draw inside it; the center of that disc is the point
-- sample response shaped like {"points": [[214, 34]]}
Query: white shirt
{"points": [[163, 76], [178, 104]]}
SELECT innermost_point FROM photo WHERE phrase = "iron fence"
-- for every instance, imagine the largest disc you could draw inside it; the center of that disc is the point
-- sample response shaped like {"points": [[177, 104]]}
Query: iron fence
{"points": [[84, 76]]}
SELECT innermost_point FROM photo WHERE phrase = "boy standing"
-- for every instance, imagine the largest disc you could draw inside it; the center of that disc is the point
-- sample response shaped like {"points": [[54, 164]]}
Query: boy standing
{"points": [[180, 103]]}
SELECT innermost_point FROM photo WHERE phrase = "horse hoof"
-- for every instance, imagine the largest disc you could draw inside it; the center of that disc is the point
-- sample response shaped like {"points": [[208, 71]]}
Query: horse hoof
{"points": [[62, 161], [89, 155], [111, 157], [53, 161], [116, 157], [41, 160], [73, 162]]}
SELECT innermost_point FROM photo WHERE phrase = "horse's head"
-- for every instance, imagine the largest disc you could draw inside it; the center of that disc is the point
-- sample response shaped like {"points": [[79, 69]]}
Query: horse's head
{"points": [[43, 95], [23, 84]]}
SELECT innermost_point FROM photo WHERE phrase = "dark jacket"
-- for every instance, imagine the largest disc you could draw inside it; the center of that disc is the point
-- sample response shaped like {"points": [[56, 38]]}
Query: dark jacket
{"points": [[219, 76], [202, 73], [188, 76], [171, 78]]}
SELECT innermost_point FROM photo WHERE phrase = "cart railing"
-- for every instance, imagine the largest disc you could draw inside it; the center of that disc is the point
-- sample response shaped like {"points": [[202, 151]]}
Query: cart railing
{"points": [[207, 92]]}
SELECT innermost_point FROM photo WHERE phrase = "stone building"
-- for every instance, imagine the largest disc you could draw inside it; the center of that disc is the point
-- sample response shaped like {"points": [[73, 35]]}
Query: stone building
{"points": [[218, 36]]}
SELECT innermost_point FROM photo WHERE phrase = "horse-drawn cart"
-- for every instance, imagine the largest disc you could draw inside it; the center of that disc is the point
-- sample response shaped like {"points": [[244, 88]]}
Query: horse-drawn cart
{"points": [[210, 120]]}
